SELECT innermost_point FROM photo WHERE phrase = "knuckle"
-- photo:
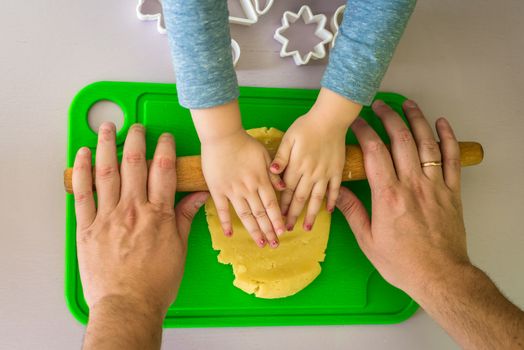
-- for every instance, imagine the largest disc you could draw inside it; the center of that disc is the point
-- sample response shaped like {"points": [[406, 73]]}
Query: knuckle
{"points": [[245, 214], [83, 196], [374, 146], [134, 158], [301, 199], [164, 162], [105, 134], [259, 214], [317, 196], [104, 172], [452, 163], [404, 135], [81, 166], [429, 145], [271, 204]]}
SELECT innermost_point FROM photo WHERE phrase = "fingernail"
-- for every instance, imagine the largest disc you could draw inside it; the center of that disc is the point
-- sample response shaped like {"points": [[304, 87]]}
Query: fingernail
{"points": [[275, 166], [274, 243], [228, 233], [410, 104], [379, 103], [280, 231], [261, 242], [307, 227], [330, 209], [284, 212], [290, 227], [282, 184], [198, 204], [84, 151]]}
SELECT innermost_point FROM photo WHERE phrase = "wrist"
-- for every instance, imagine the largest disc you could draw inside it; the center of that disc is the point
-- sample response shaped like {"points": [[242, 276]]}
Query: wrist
{"points": [[217, 123], [334, 110], [119, 307]]}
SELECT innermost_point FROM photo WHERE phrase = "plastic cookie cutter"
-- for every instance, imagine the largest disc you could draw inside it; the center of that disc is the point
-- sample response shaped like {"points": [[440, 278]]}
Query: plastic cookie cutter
{"points": [[151, 10], [252, 10], [336, 21], [319, 50]]}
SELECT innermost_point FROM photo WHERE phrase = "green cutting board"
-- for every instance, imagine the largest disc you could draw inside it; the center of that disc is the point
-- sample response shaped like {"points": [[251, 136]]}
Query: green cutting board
{"points": [[348, 291]]}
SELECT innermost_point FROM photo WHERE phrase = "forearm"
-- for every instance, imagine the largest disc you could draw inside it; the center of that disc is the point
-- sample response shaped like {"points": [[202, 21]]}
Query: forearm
{"points": [[367, 38], [468, 305], [118, 323], [198, 32]]}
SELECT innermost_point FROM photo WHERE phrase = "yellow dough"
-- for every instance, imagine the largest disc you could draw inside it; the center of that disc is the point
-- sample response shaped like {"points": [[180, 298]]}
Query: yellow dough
{"points": [[266, 272]]}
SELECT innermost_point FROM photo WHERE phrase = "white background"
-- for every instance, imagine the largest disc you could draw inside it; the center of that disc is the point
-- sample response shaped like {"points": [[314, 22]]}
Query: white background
{"points": [[461, 59]]}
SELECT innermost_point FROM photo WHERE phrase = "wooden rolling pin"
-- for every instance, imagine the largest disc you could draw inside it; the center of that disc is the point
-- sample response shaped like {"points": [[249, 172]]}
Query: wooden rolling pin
{"points": [[190, 177]]}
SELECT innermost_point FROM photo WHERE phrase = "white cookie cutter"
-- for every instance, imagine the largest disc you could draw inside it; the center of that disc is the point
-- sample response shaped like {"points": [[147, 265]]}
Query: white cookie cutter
{"points": [[144, 15], [158, 17], [319, 50], [336, 21], [252, 10]]}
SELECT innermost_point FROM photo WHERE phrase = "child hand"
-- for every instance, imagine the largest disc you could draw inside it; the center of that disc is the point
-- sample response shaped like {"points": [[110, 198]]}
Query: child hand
{"points": [[312, 153], [236, 169]]}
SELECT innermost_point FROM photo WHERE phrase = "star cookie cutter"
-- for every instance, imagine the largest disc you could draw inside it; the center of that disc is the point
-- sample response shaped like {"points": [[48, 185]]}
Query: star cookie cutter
{"points": [[319, 50], [336, 21]]}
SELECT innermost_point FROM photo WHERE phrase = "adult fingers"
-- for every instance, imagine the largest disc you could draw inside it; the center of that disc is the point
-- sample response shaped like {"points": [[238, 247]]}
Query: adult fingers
{"points": [[298, 202], [186, 210], [291, 178], [161, 183], [261, 216], [250, 223], [83, 189], [134, 168], [357, 217], [333, 192], [315, 203], [106, 169], [377, 159], [270, 202], [428, 149], [282, 157], [403, 147], [450, 153]]}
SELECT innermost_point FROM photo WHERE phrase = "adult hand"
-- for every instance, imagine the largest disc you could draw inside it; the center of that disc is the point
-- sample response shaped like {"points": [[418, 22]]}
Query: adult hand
{"points": [[417, 233], [132, 246], [312, 155]]}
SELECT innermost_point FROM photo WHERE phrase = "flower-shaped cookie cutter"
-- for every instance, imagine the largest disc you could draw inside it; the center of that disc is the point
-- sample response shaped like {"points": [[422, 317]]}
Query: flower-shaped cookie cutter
{"points": [[319, 50], [336, 21]]}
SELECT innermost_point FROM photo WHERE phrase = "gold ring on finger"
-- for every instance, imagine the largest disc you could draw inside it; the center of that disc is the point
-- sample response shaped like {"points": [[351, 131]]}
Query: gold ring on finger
{"points": [[433, 163]]}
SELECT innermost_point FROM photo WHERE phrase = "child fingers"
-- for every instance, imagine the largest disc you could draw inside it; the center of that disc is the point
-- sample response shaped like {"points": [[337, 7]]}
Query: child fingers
{"points": [[259, 213], [291, 178], [450, 153], [224, 215], [276, 180], [298, 202], [161, 182], [134, 168], [83, 189], [282, 157], [315, 203], [270, 202], [107, 177], [332, 193], [248, 220]]}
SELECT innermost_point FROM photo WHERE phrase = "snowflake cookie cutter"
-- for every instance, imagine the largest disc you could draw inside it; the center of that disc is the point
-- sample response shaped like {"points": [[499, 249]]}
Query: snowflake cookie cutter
{"points": [[319, 50], [336, 21]]}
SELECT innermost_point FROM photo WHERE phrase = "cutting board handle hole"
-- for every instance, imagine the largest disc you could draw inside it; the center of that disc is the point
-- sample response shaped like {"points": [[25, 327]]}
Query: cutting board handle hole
{"points": [[105, 111]]}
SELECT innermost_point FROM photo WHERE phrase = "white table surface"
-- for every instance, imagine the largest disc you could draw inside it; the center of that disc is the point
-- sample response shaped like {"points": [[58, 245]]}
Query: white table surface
{"points": [[462, 59]]}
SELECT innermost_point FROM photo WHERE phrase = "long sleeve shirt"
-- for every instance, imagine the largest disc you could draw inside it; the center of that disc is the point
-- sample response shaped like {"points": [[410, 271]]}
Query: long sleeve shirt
{"points": [[200, 43]]}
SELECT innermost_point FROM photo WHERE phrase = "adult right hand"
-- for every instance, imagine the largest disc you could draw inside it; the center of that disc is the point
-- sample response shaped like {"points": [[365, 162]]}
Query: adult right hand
{"points": [[417, 232]]}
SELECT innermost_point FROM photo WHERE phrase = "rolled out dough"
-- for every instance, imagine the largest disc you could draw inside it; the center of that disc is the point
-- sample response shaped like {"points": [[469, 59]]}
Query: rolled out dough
{"points": [[266, 272]]}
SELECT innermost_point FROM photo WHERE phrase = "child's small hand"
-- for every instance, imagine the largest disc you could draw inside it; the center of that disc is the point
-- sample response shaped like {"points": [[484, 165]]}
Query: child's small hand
{"points": [[312, 153], [236, 169]]}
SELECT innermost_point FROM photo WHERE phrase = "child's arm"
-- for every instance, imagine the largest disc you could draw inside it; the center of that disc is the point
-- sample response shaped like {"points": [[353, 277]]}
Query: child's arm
{"points": [[236, 167], [312, 152]]}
